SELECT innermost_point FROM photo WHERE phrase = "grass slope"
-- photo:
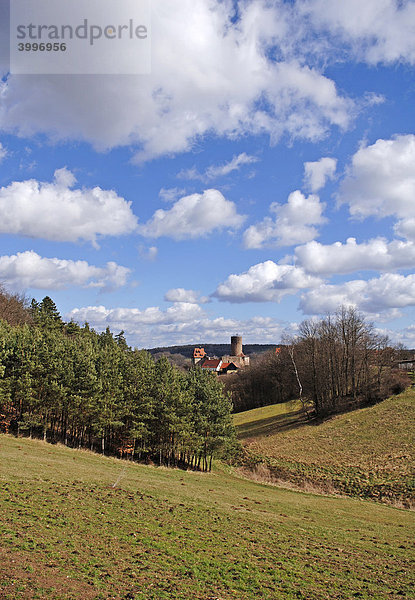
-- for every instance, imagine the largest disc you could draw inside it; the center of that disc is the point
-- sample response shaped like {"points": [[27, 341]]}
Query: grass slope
{"points": [[367, 453], [67, 533], [267, 420]]}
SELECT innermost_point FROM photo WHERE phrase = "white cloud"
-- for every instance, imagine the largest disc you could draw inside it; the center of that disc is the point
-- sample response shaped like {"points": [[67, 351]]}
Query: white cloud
{"points": [[58, 212], [29, 270], [193, 216], [117, 318], [191, 173], [215, 171], [293, 224], [3, 152], [265, 282], [376, 30], [376, 254], [406, 228], [187, 296], [381, 182], [211, 75], [404, 336], [153, 327], [234, 165], [148, 253], [317, 173], [388, 293], [171, 194]]}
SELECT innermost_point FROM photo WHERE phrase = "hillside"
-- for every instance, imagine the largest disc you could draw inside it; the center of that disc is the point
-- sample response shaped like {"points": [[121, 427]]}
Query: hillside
{"points": [[76, 525], [366, 453], [212, 349]]}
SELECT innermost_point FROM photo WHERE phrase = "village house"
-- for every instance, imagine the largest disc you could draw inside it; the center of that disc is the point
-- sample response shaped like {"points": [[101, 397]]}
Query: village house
{"points": [[230, 363], [407, 365]]}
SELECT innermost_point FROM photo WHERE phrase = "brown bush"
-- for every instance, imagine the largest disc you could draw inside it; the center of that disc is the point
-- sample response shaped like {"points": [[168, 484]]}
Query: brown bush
{"points": [[13, 308]]}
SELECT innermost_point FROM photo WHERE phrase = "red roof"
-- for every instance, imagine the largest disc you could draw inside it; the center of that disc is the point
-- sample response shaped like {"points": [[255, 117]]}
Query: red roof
{"points": [[212, 363], [229, 365], [199, 353]]}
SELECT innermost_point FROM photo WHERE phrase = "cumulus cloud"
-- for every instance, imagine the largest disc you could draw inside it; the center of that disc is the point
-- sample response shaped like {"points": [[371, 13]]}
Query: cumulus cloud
{"points": [[381, 182], [193, 216], [188, 296], [180, 324], [115, 318], [388, 293], [212, 73], [317, 173], [58, 212], [376, 254], [293, 224], [29, 270], [376, 31], [406, 228], [215, 171], [265, 282]]}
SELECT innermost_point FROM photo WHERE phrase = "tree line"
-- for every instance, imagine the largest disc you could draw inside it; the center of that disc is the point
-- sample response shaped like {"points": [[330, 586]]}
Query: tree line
{"points": [[333, 364], [66, 383]]}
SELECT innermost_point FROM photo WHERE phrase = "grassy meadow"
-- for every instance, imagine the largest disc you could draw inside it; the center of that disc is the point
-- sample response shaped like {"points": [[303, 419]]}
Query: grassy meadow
{"points": [[267, 420], [75, 525], [366, 453]]}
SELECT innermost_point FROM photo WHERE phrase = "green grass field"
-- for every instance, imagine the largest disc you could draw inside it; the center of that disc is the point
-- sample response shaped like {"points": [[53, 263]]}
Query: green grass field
{"points": [[75, 525], [267, 420], [367, 453]]}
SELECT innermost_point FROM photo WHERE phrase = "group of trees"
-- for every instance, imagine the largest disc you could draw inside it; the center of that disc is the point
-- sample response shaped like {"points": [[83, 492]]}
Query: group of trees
{"points": [[333, 363], [269, 380], [70, 384], [343, 360]]}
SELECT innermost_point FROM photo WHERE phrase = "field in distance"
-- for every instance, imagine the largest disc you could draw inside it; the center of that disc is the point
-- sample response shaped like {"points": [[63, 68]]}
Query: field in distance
{"points": [[76, 525], [366, 453]]}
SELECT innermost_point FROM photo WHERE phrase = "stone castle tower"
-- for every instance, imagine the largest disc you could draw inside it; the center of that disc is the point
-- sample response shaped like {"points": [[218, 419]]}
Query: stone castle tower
{"points": [[237, 357], [236, 345]]}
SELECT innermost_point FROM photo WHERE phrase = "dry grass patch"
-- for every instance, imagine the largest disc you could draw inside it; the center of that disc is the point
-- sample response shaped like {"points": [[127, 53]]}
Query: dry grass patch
{"points": [[368, 452]]}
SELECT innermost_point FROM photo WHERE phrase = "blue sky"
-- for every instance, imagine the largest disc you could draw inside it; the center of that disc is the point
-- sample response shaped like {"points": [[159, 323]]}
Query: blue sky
{"points": [[263, 174]]}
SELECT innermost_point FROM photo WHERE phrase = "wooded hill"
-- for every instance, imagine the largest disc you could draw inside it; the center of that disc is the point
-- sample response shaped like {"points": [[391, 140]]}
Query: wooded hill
{"points": [[212, 349]]}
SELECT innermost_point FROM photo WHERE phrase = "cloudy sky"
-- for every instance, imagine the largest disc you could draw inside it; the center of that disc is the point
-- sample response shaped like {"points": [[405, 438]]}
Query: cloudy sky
{"points": [[262, 174]]}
